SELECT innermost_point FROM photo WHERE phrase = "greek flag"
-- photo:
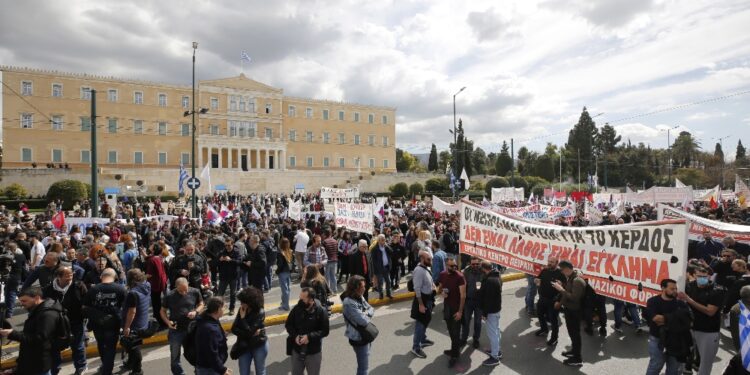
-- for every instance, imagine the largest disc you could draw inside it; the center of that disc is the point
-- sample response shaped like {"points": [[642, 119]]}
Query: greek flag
{"points": [[244, 56], [744, 328], [183, 176]]}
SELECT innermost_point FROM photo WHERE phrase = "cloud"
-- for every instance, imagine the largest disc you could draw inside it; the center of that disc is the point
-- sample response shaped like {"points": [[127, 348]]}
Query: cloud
{"points": [[487, 24]]}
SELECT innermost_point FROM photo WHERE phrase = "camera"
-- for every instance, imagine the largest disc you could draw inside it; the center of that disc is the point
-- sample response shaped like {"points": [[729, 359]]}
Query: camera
{"points": [[6, 265]]}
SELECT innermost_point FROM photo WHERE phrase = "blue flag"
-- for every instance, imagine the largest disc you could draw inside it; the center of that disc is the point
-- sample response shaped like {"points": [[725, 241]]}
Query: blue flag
{"points": [[183, 176], [744, 328]]}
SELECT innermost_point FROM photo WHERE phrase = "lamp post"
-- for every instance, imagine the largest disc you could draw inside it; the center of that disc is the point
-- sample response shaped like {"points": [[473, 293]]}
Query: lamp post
{"points": [[192, 143], [669, 152], [721, 143], [455, 132]]}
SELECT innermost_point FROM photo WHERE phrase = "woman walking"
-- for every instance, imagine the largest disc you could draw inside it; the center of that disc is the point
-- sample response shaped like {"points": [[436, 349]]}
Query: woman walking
{"points": [[358, 314], [284, 271], [345, 248], [252, 342]]}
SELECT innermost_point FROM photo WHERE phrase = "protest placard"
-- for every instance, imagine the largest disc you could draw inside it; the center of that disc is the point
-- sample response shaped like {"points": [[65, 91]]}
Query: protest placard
{"points": [[354, 216]]}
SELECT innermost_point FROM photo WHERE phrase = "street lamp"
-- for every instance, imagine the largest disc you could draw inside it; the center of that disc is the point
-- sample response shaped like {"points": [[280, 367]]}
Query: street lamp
{"points": [[192, 143], [721, 143], [455, 145], [669, 152]]}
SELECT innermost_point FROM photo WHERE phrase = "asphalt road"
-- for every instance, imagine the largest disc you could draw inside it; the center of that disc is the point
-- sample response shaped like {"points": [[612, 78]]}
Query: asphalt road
{"points": [[523, 352]]}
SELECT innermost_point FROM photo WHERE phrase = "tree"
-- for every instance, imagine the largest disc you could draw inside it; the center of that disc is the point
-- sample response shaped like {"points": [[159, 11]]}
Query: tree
{"points": [[479, 161], [436, 185], [416, 189], [545, 168], [685, 149], [607, 140], [399, 189], [580, 144], [496, 182], [467, 153], [69, 191], [432, 164], [445, 161], [740, 157], [15, 191], [406, 162], [503, 164], [692, 176], [523, 155], [719, 153]]}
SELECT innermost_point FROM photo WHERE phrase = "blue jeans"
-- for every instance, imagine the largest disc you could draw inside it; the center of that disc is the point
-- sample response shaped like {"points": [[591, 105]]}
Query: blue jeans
{"points": [[11, 293], [241, 279], [385, 276], [493, 333], [232, 284], [77, 347], [175, 338], [106, 342], [657, 359], [331, 276], [420, 330], [269, 276], [634, 313], [363, 358], [530, 293], [258, 355], [471, 311], [285, 279]]}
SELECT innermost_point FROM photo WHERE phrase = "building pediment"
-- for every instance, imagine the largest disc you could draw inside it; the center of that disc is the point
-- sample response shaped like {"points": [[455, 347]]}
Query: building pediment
{"points": [[241, 82]]}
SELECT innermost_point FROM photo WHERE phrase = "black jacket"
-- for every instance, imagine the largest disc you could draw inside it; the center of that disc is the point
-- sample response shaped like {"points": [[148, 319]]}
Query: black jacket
{"points": [[733, 294], [490, 294], [257, 259], [210, 344], [72, 301], [181, 263], [228, 268], [36, 339], [245, 330], [313, 323]]}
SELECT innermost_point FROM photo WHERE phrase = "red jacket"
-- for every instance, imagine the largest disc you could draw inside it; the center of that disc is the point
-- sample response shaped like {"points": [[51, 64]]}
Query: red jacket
{"points": [[157, 276]]}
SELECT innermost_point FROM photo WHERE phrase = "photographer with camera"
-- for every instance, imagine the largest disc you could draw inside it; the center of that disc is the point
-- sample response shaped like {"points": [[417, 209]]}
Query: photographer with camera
{"points": [[12, 270], [70, 293]]}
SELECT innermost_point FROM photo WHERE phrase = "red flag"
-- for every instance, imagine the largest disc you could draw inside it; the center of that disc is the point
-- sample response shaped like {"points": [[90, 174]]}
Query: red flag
{"points": [[713, 203], [59, 219]]}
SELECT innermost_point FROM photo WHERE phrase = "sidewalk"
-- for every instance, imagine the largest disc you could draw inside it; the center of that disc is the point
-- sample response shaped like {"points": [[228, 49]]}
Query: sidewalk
{"points": [[160, 338]]}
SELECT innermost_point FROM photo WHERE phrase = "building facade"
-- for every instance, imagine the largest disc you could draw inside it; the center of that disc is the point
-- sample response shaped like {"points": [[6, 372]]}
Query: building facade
{"points": [[248, 126]]}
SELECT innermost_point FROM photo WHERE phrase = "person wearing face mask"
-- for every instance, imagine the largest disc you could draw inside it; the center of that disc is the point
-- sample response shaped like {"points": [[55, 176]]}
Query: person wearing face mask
{"points": [[660, 311], [452, 286], [307, 325], [705, 299], [545, 307]]}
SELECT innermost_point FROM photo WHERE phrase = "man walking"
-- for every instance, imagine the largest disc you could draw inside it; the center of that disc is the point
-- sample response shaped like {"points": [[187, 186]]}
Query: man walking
{"points": [[360, 264], [255, 263], [659, 309], [135, 318], [571, 297], [307, 325], [490, 293], [705, 299], [102, 305], [300, 248], [547, 296], [332, 252], [70, 293], [211, 341], [423, 303], [381, 264], [472, 311], [184, 303], [452, 286], [229, 261]]}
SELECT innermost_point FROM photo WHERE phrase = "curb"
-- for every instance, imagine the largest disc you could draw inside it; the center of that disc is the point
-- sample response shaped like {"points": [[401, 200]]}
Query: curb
{"points": [[273, 320]]}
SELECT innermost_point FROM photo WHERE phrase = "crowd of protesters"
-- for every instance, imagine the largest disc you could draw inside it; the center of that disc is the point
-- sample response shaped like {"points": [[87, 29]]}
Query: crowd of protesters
{"points": [[127, 279]]}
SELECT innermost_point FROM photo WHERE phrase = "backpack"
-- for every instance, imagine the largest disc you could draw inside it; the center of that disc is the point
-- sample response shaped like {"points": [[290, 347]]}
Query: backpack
{"points": [[410, 283], [188, 344], [63, 333]]}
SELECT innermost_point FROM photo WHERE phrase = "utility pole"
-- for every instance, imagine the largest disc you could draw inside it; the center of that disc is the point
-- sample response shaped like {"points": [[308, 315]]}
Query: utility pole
{"points": [[94, 182], [192, 143], [579, 169], [512, 165], [606, 187], [561, 156], [721, 144]]}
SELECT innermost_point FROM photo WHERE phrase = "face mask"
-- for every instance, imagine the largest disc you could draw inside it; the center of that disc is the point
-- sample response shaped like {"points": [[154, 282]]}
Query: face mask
{"points": [[702, 280]]}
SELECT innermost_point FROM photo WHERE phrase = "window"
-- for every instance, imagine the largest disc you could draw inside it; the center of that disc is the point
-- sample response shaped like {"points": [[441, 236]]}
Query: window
{"points": [[341, 115], [57, 122], [371, 140], [138, 126], [112, 95], [162, 158], [57, 90], [138, 97], [162, 128], [385, 163], [292, 161], [269, 108], [185, 130], [325, 162], [232, 103], [251, 105], [326, 137], [384, 120], [308, 112], [185, 102], [342, 162], [85, 156], [242, 105], [27, 88], [292, 112], [385, 141], [232, 129], [185, 158], [57, 155], [112, 157], [309, 161], [27, 120], [214, 129], [356, 116], [214, 103], [162, 100], [25, 154], [85, 124], [309, 136], [138, 157], [372, 163], [356, 139], [269, 133], [292, 135], [341, 138], [325, 114], [86, 93], [370, 118], [112, 125]]}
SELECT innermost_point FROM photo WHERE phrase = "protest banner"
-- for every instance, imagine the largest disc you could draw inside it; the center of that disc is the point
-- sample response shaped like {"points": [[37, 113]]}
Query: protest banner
{"points": [[506, 194], [295, 210], [537, 212], [697, 225], [626, 262], [354, 216], [442, 206], [334, 193]]}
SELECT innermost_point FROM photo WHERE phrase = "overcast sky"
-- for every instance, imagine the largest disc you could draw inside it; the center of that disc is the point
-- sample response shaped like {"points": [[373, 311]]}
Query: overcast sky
{"points": [[529, 66]]}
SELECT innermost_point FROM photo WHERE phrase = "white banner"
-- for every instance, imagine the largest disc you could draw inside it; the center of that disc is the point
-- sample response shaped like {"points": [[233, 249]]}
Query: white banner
{"points": [[354, 216], [295, 210], [625, 262], [334, 193], [506, 194], [442, 206], [697, 224], [537, 212], [660, 194]]}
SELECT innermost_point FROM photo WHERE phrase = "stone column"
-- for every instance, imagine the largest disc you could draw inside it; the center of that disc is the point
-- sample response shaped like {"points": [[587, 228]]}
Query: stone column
{"points": [[268, 159], [221, 158]]}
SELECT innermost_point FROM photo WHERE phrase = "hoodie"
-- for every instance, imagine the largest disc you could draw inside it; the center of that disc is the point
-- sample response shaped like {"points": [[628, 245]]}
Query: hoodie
{"points": [[210, 344], [490, 293], [37, 338]]}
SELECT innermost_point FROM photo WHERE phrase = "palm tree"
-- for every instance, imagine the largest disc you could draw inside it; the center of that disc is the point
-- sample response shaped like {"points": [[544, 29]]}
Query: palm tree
{"points": [[685, 149]]}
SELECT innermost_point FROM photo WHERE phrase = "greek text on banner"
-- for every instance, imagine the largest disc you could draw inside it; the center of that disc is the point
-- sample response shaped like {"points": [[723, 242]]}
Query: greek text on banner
{"points": [[354, 216]]}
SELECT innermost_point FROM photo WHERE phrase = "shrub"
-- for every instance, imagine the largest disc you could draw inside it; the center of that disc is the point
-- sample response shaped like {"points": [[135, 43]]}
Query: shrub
{"points": [[399, 190], [416, 189], [436, 185], [69, 191], [15, 191], [496, 182]]}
